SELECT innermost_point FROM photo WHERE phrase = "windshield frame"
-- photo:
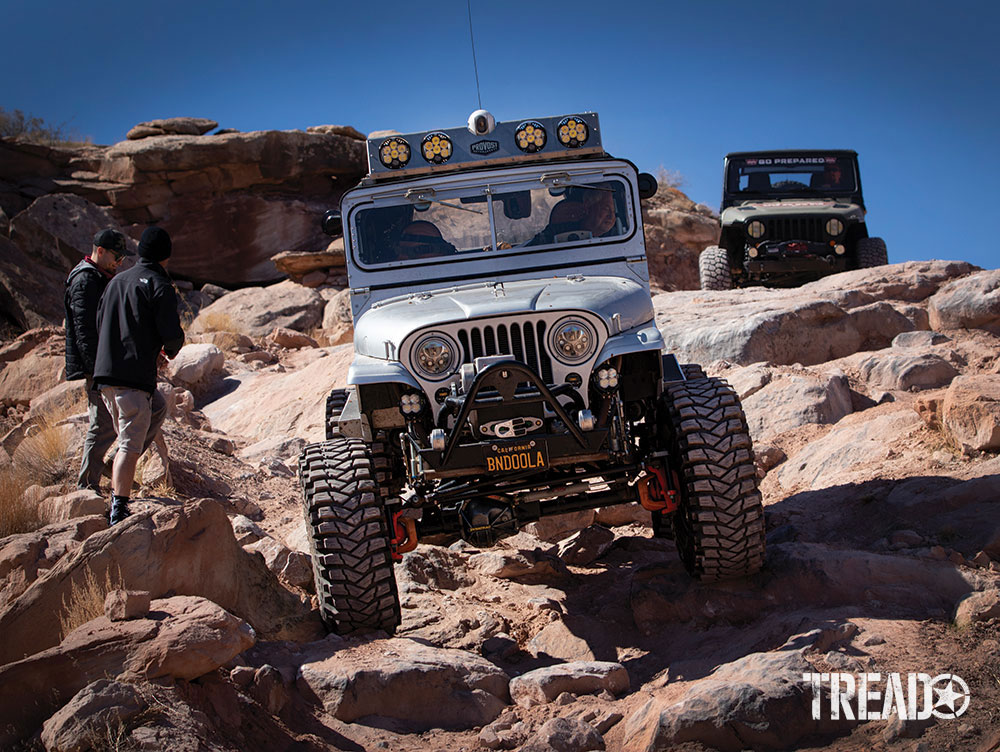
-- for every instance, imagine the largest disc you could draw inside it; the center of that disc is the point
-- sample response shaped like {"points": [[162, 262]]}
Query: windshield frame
{"points": [[489, 185], [735, 161]]}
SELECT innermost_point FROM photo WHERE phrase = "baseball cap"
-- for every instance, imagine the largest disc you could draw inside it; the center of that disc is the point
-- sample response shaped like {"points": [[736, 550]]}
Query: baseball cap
{"points": [[112, 240]]}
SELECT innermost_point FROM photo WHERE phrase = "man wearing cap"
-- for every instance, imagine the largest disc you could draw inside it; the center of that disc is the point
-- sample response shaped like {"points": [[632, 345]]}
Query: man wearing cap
{"points": [[136, 319], [84, 288]]}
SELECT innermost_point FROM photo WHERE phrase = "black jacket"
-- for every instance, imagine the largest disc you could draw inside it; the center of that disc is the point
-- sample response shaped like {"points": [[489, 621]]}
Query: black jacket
{"points": [[137, 318], [84, 287]]}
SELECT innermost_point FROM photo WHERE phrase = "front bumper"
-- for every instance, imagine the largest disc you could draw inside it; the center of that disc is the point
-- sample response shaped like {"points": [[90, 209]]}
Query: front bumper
{"points": [[795, 256]]}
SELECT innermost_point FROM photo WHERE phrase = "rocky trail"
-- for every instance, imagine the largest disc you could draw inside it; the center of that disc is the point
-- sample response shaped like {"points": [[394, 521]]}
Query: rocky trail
{"points": [[873, 398]]}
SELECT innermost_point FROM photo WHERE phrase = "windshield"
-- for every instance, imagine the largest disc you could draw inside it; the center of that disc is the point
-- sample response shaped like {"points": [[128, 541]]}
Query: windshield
{"points": [[435, 225], [781, 175]]}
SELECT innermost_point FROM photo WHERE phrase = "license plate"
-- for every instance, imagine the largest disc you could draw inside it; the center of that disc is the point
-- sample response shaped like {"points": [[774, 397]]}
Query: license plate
{"points": [[515, 456]]}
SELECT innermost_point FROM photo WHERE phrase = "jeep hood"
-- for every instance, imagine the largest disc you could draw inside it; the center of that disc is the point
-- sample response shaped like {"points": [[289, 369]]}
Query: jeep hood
{"points": [[750, 210], [381, 330]]}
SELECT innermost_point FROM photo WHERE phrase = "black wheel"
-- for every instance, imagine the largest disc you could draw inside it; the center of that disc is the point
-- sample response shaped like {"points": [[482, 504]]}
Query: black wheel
{"points": [[719, 523], [692, 371], [335, 402], [713, 269], [348, 537], [871, 252]]}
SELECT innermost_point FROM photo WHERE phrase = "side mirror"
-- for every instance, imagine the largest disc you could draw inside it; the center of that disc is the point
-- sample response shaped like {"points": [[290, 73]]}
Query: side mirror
{"points": [[647, 185], [332, 223]]}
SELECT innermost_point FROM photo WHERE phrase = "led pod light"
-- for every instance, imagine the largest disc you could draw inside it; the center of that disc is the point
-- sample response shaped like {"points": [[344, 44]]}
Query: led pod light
{"points": [[573, 132], [436, 148], [394, 153], [411, 404], [435, 356], [530, 137], [607, 378], [573, 340]]}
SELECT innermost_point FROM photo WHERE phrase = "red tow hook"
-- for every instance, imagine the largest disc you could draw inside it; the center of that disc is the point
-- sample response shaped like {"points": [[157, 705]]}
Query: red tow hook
{"points": [[404, 535], [655, 494]]}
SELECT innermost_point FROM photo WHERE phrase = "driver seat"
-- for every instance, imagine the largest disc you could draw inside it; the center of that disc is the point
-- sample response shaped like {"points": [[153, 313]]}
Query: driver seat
{"points": [[759, 182]]}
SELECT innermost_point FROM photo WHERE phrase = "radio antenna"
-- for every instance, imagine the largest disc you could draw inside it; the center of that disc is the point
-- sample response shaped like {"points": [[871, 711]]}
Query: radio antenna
{"points": [[475, 67]]}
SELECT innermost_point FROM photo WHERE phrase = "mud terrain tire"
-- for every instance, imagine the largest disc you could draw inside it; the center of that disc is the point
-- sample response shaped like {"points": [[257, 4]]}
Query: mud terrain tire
{"points": [[871, 252], [348, 537], [713, 269], [719, 524], [335, 402]]}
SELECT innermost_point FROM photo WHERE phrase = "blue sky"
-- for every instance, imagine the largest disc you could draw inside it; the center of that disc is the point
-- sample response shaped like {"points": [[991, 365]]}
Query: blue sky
{"points": [[912, 86]]}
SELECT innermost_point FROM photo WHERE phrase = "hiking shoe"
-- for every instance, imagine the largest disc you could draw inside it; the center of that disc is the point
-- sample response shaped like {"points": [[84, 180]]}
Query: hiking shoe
{"points": [[119, 511]]}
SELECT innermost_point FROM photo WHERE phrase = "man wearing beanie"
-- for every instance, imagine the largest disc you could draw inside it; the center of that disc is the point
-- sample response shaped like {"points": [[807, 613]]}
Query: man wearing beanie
{"points": [[84, 288], [136, 319]]}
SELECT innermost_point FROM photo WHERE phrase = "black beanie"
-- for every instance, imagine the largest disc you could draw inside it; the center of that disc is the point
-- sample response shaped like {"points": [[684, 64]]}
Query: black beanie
{"points": [[155, 244]]}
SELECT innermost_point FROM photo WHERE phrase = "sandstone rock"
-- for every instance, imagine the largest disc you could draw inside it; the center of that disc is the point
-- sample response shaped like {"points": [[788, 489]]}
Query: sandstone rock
{"points": [[246, 530], [126, 604], [558, 640], [978, 607], [559, 526], [543, 685], [313, 279], [971, 412], [291, 339], [521, 565], [177, 126], [299, 263], [337, 130], [196, 364], [905, 371], [34, 373], [187, 550], [338, 324], [420, 687], [585, 546], [281, 404], [64, 399], [970, 302], [789, 401], [294, 567], [184, 638], [83, 503], [621, 514], [31, 293], [98, 707], [277, 446], [564, 735], [829, 460], [226, 341], [749, 380], [25, 557], [759, 701], [257, 311], [918, 340]]}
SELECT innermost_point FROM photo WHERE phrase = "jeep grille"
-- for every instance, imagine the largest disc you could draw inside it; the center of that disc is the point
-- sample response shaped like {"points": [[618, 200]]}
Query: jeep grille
{"points": [[524, 341], [810, 229]]}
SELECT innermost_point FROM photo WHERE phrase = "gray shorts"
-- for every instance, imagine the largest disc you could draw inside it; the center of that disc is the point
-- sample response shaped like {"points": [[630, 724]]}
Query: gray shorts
{"points": [[131, 411]]}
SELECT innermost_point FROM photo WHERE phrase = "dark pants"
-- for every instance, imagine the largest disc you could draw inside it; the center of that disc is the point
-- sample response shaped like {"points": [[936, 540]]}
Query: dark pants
{"points": [[101, 435]]}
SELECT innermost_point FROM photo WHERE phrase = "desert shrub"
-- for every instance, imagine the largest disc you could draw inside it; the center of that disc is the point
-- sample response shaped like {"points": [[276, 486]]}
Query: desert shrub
{"points": [[669, 178], [16, 515], [16, 124], [85, 600], [214, 321], [43, 454]]}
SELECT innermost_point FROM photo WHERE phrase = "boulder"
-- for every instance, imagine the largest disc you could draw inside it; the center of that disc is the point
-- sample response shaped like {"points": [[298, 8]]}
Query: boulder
{"points": [[906, 371], [256, 311], [183, 550], [558, 526], [300, 263], [98, 707], [34, 373], [126, 604], [183, 638], [518, 565], [970, 412], [196, 364], [918, 340], [281, 404], [31, 293], [82, 503], [980, 606], [830, 460], [676, 230], [563, 641], [176, 126], [564, 735], [586, 546], [543, 685], [420, 687], [967, 303], [788, 401], [291, 339]]}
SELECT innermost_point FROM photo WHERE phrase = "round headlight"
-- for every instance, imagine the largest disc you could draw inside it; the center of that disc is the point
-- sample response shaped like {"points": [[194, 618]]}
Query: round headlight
{"points": [[394, 152], [834, 227], [530, 136], [573, 340], [573, 132], [435, 356], [436, 148], [755, 229]]}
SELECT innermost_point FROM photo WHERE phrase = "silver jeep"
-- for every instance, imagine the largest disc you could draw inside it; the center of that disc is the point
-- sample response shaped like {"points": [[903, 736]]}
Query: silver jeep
{"points": [[507, 366]]}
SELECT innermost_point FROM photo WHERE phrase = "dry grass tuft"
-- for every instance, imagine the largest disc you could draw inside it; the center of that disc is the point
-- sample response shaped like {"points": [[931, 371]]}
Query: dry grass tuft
{"points": [[16, 515], [219, 322], [43, 454], [85, 602]]}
